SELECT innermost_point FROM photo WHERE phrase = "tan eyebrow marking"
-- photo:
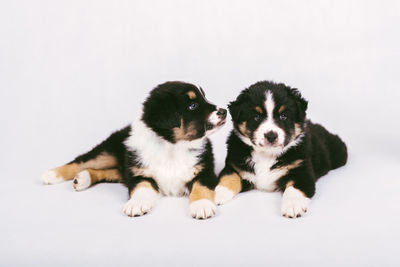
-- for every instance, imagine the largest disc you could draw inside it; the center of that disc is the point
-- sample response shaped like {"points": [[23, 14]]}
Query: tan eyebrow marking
{"points": [[191, 94], [259, 110], [281, 109]]}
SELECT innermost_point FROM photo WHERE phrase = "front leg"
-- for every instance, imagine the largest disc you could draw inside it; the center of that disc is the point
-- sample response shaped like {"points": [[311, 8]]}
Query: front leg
{"points": [[143, 196], [229, 185], [201, 196], [294, 200]]}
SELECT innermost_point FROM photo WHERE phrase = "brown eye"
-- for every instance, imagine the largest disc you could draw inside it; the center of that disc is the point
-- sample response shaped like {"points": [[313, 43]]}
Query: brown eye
{"points": [[282, 117], [193, 106], [257, 117]]}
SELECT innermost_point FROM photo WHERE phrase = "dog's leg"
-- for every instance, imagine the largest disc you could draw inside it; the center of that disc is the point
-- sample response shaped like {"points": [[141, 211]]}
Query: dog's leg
{"points": [[294, 201], [143, 196], [88, 177], [230, 184], [201, 201], [104, 156], [98, 161]]}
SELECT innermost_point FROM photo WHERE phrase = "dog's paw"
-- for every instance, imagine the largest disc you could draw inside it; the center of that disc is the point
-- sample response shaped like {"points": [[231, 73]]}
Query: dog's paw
{"points": [[294, 203], [202, 209], [222, 195], [141, 202], [50, 177], [82, 181]]}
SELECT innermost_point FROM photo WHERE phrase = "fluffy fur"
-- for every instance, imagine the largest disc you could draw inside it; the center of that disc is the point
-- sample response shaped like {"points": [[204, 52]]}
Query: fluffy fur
{"points": [[274, 147], [165, 152]]}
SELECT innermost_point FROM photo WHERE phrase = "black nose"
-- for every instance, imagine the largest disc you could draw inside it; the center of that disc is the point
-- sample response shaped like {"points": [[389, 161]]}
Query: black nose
{"points": [[271, 136], [222, 112]]}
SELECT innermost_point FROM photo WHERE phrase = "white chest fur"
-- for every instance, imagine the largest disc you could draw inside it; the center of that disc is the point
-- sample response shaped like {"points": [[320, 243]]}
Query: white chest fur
{"points": [[170, 165], [263, 177]]}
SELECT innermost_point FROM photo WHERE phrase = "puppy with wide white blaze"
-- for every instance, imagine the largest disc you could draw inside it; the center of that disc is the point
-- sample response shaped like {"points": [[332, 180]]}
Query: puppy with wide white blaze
{"points": [[274, 147], [165, 152]]}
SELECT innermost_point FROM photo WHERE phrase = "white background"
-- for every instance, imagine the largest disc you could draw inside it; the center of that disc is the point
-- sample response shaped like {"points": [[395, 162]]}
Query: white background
{"points": [[71, 72]]}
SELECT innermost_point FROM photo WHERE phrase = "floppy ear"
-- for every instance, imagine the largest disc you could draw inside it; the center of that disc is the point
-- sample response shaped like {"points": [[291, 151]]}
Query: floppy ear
{"points": [[160, 112], [302, 104], [236, 107], [234, 110], [167, 120]]}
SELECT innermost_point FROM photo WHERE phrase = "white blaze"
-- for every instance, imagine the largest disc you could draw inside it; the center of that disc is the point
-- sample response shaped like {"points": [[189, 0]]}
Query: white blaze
{"points": [[269, 124]]}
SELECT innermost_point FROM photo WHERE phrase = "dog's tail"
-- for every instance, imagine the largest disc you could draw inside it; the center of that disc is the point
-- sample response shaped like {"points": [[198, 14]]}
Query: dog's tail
{"points": [[338, 151]]}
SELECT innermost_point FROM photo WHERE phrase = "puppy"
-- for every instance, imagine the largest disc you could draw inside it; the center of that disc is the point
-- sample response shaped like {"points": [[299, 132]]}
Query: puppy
{"points": [[274, 147], [166, 152]]}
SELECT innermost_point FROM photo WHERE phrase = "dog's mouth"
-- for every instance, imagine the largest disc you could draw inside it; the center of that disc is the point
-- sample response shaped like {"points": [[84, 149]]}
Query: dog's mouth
{"points": [[268, 145], [210, 127], [222, 122]]}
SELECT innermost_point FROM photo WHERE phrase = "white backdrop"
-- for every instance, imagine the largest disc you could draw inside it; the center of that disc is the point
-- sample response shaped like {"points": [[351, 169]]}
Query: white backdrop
{"points": [[73, 71]]}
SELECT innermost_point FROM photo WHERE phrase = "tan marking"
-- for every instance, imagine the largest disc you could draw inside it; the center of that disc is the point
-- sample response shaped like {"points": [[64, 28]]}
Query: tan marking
{"points": [[237, 169], [197, 169], [144, 184], [200, 192], [184, 133], [259, 110], [192, 95], [290, 166], [291, 183], [243, 129], [232, 182], [109, 175], [102, 161], [281, 109], [283, 170], [297, 131], [67, 172], [138, 171]]}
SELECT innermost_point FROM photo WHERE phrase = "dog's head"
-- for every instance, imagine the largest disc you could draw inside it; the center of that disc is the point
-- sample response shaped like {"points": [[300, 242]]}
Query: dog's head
{"points": [[269, 116], [179, 111]]}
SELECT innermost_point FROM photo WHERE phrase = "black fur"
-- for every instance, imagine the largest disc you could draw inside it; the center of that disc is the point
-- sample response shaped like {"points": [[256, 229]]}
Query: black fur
{"points": [[167, 107], [319, 150]]}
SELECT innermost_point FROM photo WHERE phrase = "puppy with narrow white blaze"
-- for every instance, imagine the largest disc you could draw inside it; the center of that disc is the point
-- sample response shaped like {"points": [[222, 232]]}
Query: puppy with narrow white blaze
{"points": [[273, 146], [165, 152], [268, 133]]}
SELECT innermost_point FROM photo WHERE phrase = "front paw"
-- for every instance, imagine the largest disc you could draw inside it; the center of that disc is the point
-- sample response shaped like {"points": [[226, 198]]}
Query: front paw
{"points": [[294, 203], [202, 209], [141, 202], [222, 195]]}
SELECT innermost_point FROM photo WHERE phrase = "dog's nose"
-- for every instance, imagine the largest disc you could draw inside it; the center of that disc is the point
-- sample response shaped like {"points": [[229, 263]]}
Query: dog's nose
{"points": [[221, 112], [271, 136]]}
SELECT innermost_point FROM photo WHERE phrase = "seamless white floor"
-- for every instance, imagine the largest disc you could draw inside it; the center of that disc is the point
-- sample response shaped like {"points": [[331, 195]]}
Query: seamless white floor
{"points": [[71, 72]]}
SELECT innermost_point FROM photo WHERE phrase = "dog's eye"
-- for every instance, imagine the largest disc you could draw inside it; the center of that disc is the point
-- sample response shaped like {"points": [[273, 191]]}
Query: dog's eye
{"points": [[257, 117], [193, 106], [282, 117]]}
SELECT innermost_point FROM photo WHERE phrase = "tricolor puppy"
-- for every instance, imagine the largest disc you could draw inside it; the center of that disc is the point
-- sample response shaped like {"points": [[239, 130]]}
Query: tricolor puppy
{"points": [[166, 152], [274, 147]]}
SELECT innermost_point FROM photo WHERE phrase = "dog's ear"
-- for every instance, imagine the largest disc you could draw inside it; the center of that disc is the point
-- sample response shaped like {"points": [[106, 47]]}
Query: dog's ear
{"points": [[160, 112], [302, 104], [236, 107]]}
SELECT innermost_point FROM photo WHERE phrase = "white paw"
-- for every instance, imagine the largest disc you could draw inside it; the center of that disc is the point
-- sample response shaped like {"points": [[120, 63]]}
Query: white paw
{"points": [[82, 181], [294, 203], [141, 202], [202, 209], [50, 177], [223, 195]]}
